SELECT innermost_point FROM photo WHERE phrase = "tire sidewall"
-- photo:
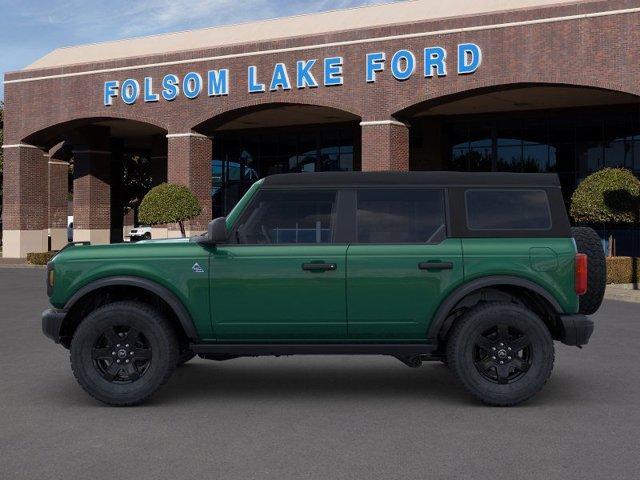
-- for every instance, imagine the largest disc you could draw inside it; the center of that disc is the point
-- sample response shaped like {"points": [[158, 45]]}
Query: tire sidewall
{"points": [[476, 322], [588, 242], [144, 320]]}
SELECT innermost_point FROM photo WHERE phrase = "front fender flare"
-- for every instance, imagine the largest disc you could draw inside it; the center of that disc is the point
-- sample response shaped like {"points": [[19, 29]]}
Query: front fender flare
{"points": [[439, 319], [164, 293]]}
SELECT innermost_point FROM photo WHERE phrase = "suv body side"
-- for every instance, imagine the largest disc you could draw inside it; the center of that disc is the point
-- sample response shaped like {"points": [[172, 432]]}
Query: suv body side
{"points": [[377, 291]]}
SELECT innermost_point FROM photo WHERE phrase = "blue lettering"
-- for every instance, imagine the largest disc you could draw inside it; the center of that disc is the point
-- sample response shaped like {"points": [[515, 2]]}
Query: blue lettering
{"points": [[333, 71], [218, 82], [434, 57], [469, 58], [170, 87], [192, 85], [110, 92], [375, 63], [149, 96], [403, 64], [280, 78], [304, 77], [130, 91], [254, 86]]}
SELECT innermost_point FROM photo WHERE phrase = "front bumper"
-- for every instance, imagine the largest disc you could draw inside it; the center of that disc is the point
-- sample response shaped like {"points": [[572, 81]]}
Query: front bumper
{"points": [[575, 330], [52, 320]]}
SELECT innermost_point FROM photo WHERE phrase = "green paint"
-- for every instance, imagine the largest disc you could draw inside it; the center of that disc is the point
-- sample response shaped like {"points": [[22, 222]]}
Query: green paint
{"points": [[261, 293]]}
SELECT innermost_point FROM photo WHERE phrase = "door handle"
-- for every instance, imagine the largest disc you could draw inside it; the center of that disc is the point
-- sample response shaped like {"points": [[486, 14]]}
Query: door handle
{"points": [[319, 267], [435, 266]]}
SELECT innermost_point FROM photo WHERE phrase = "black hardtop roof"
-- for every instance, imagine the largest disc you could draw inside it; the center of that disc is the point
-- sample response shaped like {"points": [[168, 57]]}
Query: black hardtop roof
{"points": [[481, 179]]}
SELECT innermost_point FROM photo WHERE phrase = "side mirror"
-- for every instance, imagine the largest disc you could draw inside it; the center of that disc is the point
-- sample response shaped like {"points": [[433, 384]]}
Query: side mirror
{"points": [[217, 230]]}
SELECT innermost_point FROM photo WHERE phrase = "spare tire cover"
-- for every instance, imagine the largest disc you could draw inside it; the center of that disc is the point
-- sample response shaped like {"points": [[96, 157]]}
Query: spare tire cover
{"points": [[589, 243]]}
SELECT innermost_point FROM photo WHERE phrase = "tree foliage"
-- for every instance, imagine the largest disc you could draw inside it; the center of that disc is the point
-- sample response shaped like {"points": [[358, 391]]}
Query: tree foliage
{"points": [[609, 195], [136, 181], [169, 203]]}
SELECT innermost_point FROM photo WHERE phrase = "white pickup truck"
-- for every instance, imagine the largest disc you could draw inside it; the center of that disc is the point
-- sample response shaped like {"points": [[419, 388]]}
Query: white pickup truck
{"points": [[140, 233]]}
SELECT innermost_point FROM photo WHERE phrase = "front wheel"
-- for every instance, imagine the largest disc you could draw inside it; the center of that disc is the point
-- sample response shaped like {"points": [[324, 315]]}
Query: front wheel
{"points": [[501, 352], [123, 352]]}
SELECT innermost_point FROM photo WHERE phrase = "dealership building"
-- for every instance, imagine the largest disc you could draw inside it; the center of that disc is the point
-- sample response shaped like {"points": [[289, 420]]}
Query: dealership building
{"points": [[487, 85]]}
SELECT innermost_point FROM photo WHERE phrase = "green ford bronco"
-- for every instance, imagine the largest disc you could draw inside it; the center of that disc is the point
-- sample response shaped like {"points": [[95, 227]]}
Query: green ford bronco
{"points": [[481, 271]]}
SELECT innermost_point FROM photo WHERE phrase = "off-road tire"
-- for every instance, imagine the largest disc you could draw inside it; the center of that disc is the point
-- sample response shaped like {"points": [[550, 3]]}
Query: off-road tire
{"points": [[589, 243], [154, 328], [462, 350]]}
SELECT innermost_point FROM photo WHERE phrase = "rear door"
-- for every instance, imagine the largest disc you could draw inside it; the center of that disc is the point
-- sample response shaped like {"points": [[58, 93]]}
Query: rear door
{"points": [[401, 265], [284, 278]]}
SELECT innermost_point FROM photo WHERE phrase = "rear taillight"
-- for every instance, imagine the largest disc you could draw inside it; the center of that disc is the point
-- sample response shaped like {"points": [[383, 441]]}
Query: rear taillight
{"points": [[581, 273]]}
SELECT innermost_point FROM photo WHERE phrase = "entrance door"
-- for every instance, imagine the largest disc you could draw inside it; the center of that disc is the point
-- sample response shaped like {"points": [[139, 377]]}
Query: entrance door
{"points": [[401, 265], [284, 278]]}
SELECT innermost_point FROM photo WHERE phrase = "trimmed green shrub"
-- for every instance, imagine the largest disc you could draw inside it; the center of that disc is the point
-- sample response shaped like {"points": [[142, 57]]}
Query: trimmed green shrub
{"points": [[620, 270], [609, 195], [169, 203], [40, 258]]}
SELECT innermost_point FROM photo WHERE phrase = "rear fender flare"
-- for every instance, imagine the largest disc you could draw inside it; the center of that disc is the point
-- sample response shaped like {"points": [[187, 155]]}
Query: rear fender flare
{"points": [[440, 324]]}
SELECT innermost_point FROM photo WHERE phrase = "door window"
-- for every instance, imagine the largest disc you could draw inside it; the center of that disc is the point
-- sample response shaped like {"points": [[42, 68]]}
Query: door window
{"points": [[401, 216], [279, 217]]}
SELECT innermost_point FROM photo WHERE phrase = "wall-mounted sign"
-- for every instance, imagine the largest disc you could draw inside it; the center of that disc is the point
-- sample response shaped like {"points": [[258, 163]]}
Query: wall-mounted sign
{"points": [[310, 73]]}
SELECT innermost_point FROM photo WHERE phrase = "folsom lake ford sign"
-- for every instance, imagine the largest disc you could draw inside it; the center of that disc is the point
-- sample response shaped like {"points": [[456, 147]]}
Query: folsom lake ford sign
{"points": [[310, 73]]}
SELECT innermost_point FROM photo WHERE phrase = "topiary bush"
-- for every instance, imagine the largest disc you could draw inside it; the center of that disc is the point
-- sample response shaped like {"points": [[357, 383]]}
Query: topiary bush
{"points": [[40, 258], [609, 195], [623, 269], [169, 203]]}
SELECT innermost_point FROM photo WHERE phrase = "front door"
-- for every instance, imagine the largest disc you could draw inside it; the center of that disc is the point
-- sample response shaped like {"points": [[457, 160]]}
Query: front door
{"points": [[283, 278], [402, 264]]}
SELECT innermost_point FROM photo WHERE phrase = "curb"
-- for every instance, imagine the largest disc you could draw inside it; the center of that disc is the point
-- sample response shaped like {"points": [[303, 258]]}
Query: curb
{"points": [[622, 293], [25, 265]]}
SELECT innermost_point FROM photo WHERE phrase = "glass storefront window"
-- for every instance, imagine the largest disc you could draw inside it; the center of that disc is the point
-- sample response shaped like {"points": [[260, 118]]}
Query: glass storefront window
{"points": [[619, 153], [570, 142], [242, 157]]}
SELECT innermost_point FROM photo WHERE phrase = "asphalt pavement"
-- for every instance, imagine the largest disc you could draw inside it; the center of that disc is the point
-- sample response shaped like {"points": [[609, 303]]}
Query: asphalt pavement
{"points": [[315, 417]]}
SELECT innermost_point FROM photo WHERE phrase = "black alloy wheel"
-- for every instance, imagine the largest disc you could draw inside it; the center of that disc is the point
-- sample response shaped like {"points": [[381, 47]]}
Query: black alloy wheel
{"points": [[502, 354], [122, 354]]}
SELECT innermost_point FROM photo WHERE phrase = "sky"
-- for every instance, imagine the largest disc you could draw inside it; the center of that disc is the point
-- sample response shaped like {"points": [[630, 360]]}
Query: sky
{"points": [[30, 29]]}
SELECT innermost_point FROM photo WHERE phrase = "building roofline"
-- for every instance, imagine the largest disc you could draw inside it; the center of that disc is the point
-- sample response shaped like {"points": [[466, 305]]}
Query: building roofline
{"points": [[229, 25], [79, 69], [310, 24]]}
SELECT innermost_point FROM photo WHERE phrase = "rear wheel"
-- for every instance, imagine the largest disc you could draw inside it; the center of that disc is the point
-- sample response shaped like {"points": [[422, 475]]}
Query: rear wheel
{"points": [[123, 352], [501, 352]]}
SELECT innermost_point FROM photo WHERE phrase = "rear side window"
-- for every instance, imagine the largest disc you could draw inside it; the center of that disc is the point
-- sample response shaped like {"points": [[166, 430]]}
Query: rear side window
{"points": [[401, 216], [516, 209]]}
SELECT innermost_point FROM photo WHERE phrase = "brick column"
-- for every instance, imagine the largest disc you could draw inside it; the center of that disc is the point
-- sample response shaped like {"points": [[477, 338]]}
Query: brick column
{"points": [[158, 160], [58, 190], [24, 200], [189, 164], [385, 146], [92, 186]]}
